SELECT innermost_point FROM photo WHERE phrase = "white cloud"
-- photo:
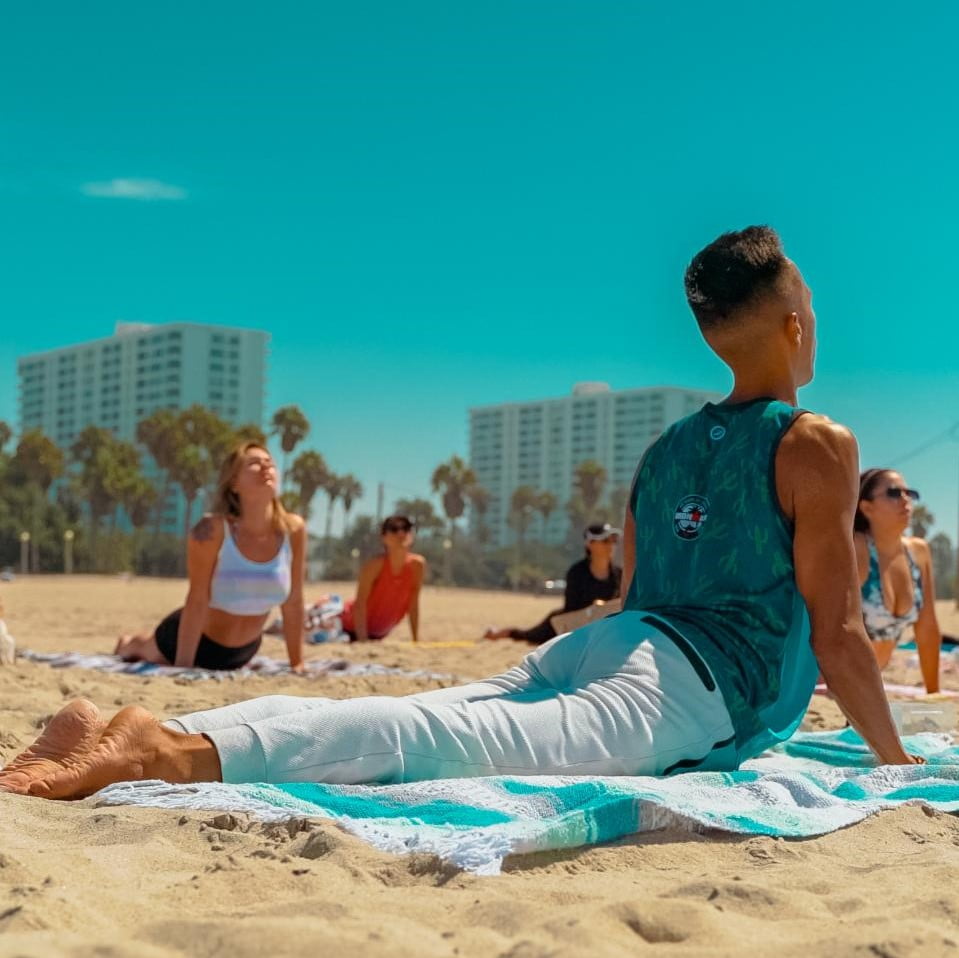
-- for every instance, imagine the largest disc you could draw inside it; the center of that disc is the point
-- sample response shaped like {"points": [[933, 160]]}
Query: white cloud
{"points": [[129, 189]]}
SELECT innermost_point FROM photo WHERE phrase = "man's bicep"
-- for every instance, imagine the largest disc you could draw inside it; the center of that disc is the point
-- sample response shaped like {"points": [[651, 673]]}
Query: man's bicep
{"points": [[824, 497]]}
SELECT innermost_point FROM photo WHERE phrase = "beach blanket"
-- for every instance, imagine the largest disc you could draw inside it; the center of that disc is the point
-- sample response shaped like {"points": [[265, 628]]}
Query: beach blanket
{"points": [[259, 665], [816, 783]]}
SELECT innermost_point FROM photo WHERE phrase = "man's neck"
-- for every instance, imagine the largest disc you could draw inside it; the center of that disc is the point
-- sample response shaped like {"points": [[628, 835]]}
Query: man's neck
{"points": [[752, 386]]}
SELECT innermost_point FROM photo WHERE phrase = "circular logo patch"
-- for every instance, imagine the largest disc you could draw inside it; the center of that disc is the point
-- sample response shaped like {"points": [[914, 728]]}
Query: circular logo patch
{"points": [[690, 515], [717, 432]]}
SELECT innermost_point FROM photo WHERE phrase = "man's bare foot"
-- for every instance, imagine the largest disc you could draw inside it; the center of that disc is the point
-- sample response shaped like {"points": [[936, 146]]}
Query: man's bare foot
{"points": [[492, 633], [75, 728], [133, 746]]}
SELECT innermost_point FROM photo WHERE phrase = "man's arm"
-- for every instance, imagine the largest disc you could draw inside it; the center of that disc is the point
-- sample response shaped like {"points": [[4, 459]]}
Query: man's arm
{"points": [[292, 609], [817, 469]]}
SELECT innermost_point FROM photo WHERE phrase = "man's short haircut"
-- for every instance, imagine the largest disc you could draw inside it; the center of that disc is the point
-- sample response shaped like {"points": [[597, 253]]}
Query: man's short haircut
{"points": [[733, 272]]}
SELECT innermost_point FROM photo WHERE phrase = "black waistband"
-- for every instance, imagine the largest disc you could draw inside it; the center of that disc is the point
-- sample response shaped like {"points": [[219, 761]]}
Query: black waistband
{"points": [[684, 646]]}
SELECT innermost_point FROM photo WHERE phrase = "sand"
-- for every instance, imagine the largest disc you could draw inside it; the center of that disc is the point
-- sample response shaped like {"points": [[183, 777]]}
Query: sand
{"points": [[127, 881]]}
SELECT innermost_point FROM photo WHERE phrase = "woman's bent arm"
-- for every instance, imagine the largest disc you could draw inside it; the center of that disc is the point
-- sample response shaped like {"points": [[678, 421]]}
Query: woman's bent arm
{"points": [[928, 636], [203, 547], [292, 609]]}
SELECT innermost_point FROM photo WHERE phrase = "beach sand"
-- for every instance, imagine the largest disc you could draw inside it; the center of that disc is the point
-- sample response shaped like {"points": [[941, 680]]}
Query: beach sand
{"points": [[130, 881]]}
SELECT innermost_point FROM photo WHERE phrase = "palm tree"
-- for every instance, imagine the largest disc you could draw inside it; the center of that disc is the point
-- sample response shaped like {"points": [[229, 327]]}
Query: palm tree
{"points": [[203, 440], [454, 480], [480, 499], [39, 461], [158, 434], [351, 489], [106, 467], [192, 471], [546, 503], [309, 472], [922, 521], [422, 513], [522, 504], [333, 489], [250, 432], [292, 426], [589, 478], [138, 499]]}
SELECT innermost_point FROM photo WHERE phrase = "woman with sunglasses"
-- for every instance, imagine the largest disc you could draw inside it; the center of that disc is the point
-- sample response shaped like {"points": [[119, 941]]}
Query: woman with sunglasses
{"points": [[389, 586], [895, 572], [593, 580]]}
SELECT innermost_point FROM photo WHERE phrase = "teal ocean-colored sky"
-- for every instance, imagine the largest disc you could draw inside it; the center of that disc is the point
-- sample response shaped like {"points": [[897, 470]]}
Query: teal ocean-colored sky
{"points": [[432, 206]]}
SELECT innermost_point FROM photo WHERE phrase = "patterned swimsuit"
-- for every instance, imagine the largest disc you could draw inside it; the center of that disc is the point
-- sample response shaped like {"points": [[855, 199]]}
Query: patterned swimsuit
{"points": [[881, 624]]}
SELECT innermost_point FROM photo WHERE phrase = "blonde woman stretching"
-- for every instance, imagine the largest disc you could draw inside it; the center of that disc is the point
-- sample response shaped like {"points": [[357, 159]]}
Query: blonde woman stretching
{"points": [[243, 559]]}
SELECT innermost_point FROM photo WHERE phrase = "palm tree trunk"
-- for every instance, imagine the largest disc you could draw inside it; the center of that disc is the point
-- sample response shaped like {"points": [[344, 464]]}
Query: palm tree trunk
{"points": [[329, 527], [448, 557]]}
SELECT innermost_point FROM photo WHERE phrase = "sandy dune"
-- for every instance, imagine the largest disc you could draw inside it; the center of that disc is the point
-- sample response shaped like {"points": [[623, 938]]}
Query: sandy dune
{"points": [[82, 881]]}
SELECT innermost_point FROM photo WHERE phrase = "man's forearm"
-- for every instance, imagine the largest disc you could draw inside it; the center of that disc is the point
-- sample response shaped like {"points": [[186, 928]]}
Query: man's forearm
{"points": [[852, 674]]}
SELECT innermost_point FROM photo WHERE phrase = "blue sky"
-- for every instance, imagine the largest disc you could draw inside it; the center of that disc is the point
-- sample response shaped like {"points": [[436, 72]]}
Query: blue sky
{"points": [[432, 206]]}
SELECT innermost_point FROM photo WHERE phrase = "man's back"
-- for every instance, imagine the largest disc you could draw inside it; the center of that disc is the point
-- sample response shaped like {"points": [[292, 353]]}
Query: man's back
{"points": [[714, 559]]}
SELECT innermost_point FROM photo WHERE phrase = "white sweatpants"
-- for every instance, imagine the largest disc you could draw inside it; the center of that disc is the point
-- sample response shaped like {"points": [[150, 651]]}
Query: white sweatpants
{"points": [[616, 697]]}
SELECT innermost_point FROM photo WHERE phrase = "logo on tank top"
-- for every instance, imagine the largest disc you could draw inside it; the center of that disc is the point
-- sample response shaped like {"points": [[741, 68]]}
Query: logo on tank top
{"points": [[690, 515], [717, 433]]}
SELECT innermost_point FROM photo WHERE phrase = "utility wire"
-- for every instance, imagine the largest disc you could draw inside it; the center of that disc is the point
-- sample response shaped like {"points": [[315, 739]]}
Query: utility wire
{"points": [[951, 433]]}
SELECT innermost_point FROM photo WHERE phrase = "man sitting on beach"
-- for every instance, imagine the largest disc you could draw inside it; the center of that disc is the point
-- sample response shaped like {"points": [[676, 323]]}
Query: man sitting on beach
{"points": [[740, 532]]}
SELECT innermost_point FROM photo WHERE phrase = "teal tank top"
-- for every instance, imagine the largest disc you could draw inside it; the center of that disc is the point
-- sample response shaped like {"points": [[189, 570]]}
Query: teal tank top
{"points": [[714, 560]]}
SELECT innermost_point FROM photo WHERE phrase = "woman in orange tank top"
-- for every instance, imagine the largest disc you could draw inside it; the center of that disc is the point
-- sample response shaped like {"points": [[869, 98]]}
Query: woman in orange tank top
{"points": [[388, 587]]}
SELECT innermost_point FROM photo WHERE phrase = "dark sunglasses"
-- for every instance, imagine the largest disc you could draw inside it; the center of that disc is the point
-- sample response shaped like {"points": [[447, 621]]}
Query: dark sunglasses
{"points": [[399, 527], [897, 492]]}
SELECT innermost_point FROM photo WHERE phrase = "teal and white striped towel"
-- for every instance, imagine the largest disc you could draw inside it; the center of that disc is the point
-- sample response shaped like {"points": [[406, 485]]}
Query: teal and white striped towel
{"points": [[816, 783]]}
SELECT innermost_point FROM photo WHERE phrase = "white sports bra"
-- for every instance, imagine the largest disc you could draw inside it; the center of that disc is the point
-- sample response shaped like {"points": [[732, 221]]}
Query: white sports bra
{"points": [[241, 586]]}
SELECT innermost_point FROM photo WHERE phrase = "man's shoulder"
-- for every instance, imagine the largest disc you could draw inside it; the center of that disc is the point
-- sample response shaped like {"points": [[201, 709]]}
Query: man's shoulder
{"points": [[817, 436]]}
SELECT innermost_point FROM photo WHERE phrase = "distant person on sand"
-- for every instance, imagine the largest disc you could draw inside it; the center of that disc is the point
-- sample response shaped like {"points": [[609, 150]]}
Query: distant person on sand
{"points": [[593, 580], [895, 572], [242, 560], [739, 573], [389, 586]]}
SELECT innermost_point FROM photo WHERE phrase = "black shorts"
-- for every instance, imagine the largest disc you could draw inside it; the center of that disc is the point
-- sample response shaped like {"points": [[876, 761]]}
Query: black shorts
{"points": [[209, 654]]}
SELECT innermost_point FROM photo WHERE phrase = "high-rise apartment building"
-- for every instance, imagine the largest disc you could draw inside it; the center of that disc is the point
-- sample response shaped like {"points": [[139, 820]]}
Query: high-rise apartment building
{"points": [[540, 444], [117, 381]]}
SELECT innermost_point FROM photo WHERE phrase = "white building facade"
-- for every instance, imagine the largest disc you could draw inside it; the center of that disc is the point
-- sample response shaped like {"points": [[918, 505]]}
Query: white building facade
{"points": [[541, 443], [117, 381]]}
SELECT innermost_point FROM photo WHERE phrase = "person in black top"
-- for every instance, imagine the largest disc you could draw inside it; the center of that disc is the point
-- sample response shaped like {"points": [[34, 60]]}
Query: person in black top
{"points": [[594, 579]]}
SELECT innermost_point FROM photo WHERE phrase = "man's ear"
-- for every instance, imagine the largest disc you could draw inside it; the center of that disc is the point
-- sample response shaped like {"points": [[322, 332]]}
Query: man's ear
{"points": [[794, 330]]}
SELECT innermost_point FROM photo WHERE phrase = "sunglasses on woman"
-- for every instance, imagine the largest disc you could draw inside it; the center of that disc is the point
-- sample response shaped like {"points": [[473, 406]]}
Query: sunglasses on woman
{"points": [[397, 527], [898, 492]]}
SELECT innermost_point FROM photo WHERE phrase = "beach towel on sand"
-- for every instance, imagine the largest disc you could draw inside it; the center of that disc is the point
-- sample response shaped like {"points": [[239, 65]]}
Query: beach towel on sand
{"points": [[260, 665], [815, 783]]}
